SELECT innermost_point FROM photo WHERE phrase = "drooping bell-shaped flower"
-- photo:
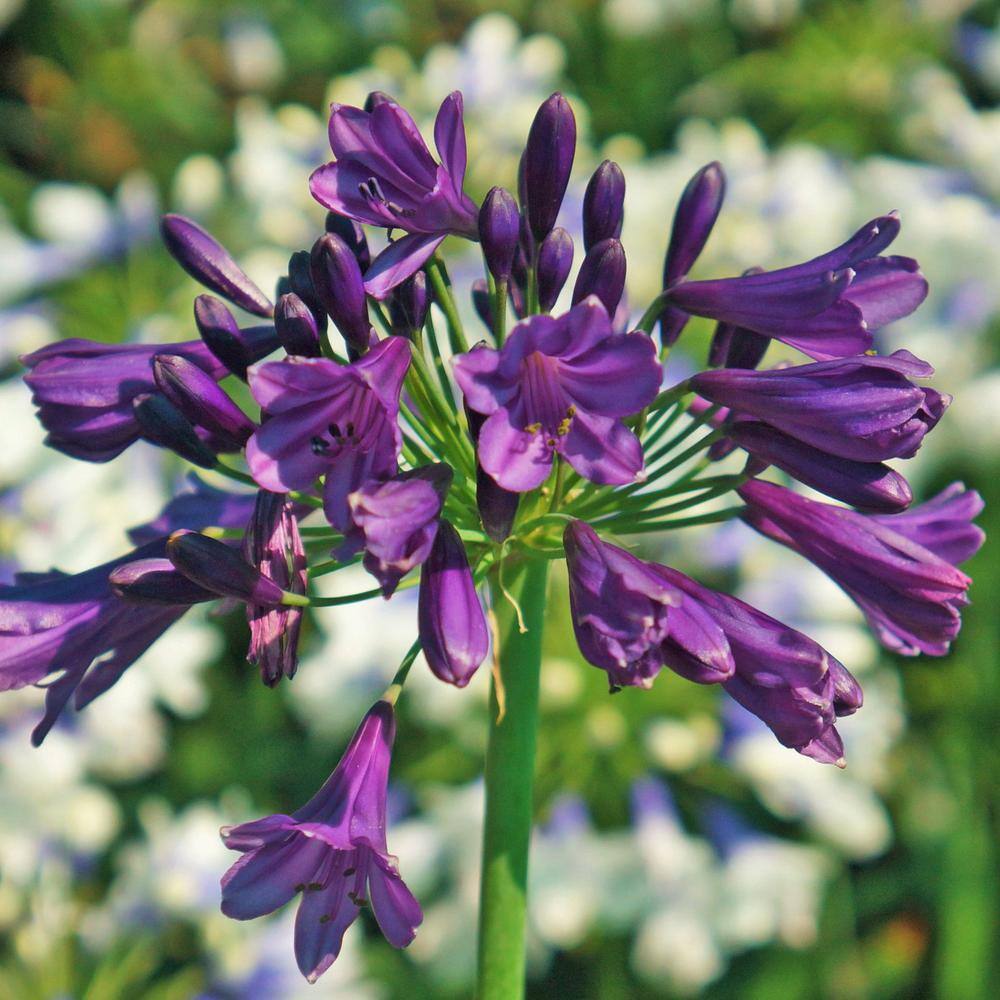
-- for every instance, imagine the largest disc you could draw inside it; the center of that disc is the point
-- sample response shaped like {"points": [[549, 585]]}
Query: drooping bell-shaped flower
{"points": [[826, 307], [630, 622], [560, 386], [325, 419], [210, 264], [863, 408], [603, 205], [77, 627], [910, 592], [84, 391], [333, 851], [385, 176], [452, 625], [396, 522], [785, 678], [272, 544]]}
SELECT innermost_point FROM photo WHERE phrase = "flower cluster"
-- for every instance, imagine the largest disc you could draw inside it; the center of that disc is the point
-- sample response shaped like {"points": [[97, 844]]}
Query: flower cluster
{"points": [[547, 439]]}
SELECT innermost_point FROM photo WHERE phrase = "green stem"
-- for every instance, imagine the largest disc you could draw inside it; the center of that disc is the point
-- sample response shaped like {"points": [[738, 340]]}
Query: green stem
{"points": [[652, 314], [442, 295], [510, 766]]}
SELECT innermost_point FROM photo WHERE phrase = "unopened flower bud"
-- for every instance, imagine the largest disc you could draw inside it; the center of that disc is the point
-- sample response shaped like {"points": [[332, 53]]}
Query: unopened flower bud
{"points": [[555, 258], [163, 424], [220, 568], [295, 325], [235, 348], [353, 235], [300, 283], [602, 274], [499, 229], [451, 621], [156, 581], [548, 159], [198, 397], [337, 279], [375, 98], [211, 265], [408, 304], [603, 205]]}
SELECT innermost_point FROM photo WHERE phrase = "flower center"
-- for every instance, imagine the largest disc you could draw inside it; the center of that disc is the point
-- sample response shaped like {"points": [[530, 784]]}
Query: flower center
{"points": [[546, 405]]}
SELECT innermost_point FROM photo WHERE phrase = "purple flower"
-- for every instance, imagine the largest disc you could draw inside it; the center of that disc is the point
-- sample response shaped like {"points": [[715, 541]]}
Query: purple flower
{"points": [[694, 220], [211, 265], [603, 205], [630, 622], [84, 391], [865, 409], [272, 545], [296, 327], [826, 307], [396, 522], [233, 348], [333, 851], [453, 630], [870, 486], [336, 278], [497, 507], [546, 164], [560, 387], [219, 568], [785, 678], [908, 589], [499, 230], [328, 419], [408, 305], [555, 258], [385, 176], [602, 273], [77, 627]]}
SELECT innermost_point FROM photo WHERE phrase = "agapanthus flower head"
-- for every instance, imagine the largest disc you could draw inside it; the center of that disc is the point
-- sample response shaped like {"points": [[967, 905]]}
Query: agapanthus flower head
{"points": [[560, 386], [333, 851], [385, 176], [910, 594], [453, 630], [395, 521], [826, 307], [631, 622], [77, 630], [273, 546], [328, 419]]}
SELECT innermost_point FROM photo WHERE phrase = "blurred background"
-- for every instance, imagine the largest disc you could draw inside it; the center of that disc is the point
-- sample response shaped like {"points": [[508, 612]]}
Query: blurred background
{"points": [[680, 851]]}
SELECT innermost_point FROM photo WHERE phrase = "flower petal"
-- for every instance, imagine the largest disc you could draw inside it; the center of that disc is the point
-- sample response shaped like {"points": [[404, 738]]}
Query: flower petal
{"points": [[399, 261], [603, 450], [516, 459]]}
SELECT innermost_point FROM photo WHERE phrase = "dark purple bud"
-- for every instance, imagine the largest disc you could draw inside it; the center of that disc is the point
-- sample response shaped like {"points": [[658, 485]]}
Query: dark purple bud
{"points": [[696, 213], [295, 325], [737, 347], [869, 486], [555, 258], [497, 506], [451, 621], [408, 304], [208, 263], [353, 235], [499, 229], [161, 423], [602, 274], [481, 302], [199, 398], [156, 581], [340, 287], [300, 283], [220, 568], [548, 159], [375, 98], [235, 348], [604, 205], [273, 545]]}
